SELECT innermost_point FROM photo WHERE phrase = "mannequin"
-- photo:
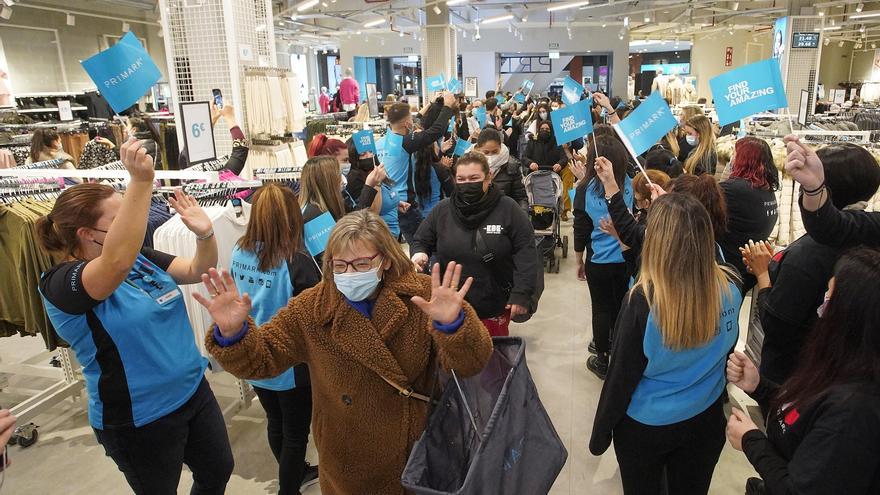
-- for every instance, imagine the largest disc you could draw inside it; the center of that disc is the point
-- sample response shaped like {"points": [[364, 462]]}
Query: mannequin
{"points": [[690, 92], [660, 83], [630, 87]]}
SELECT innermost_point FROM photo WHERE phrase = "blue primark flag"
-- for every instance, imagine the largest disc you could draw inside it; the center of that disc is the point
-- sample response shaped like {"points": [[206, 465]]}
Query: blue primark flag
{"points": [[748, 90], [571, 91], [364, 141], [123, 73], [317, 233], [461, 147], [572, 122], [480, 115], [454, 86], [646, 124], [519, 98], [527, 85], [436, 83]]}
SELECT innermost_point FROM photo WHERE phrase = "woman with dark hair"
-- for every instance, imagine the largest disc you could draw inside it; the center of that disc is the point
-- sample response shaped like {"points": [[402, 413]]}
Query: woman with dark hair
{"points": [[504, 169], [270, 264], [822, 220], [493, 239], [789, 295], [750, 197], [823, 426], [141, 128], [605, 267], [663, 401], [542, 153], [707, 191], [665, 161], [432, 176], [46, 145]]}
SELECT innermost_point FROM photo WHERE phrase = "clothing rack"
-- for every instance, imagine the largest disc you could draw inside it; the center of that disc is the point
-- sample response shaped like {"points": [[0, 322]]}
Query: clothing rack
{"points": [[107, 174], [214, 165], [830, 137]]}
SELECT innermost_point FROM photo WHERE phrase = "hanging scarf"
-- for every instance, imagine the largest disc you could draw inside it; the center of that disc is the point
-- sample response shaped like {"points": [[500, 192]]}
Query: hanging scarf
{"points": [[473, 215]]}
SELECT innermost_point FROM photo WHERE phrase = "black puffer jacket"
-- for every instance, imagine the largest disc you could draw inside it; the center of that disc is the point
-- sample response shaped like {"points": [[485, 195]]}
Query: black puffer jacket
{"points": [[509, 180]]}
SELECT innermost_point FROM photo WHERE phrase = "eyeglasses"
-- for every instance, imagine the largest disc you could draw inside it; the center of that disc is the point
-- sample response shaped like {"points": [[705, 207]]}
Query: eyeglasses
{"points": [[359, 265]]}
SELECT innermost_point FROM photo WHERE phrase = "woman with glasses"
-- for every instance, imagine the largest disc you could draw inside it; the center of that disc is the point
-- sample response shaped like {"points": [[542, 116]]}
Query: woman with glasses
{"points": [[372, 333], [491, 236]]}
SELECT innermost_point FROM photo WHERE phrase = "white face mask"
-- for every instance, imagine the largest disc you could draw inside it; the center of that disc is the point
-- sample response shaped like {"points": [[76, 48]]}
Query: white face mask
{"points": [[357, 286], [543, 115], [692, 140], [824, 306]]}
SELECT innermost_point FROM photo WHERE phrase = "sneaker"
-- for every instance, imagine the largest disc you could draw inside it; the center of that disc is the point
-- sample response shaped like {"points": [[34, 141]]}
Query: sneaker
{"points": [[310, 477], [592, 348], [598, 364]]}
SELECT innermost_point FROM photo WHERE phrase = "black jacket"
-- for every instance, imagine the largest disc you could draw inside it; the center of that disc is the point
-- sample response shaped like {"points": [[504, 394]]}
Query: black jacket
{"points": [[510, 278], [830, 447], [416, 141], [509, 180], [751, 215], [836, 228], [788, 309], [545, 154]]}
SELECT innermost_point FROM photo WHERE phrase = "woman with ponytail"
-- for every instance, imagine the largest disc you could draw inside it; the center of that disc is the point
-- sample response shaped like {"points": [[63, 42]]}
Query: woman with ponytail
{"points": [[269, 263], [321, 145], [119, 307]]}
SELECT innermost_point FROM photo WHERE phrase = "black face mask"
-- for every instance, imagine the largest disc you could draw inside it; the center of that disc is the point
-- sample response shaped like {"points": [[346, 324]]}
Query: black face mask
{"points": [[366, 164], [544, 135], [470, 192]]}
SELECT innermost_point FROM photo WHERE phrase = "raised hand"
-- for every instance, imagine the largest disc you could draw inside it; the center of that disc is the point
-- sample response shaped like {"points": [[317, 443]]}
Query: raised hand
{"points": [[7, 428], [376, 176], [136, 160], [420, 261], [446, 298], [741, 371], [191, 214], [449, 100], [226, 307], [803, 164], [447, 145], [656, 192], [607, 226]]}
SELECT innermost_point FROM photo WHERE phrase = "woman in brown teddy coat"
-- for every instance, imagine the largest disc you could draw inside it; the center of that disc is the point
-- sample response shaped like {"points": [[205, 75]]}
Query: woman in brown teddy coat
{"points": [[371, 331]]}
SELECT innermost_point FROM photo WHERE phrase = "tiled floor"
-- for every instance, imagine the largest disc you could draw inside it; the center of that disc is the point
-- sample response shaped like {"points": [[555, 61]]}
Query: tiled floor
{"points": [[68, 460]]}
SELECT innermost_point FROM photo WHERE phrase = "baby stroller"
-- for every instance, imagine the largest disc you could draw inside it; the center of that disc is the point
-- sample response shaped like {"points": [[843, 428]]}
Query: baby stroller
{"points": [[544, 189]]}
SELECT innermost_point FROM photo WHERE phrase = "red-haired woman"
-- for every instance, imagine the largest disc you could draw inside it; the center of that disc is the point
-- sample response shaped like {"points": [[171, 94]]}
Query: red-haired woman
{"points": [[751, 201], [322, 145]]}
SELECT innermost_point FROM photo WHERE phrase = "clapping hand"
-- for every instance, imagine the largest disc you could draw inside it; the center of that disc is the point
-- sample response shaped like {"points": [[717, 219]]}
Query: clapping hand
{"points": [[446, 298], [226, 307], [606, 225], [757, 256], [803, 164], [191, 214], [136, 160]]}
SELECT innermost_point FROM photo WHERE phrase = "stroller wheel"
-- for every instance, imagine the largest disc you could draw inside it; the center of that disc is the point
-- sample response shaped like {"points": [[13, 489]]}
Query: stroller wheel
{"points": [[565, 247]]}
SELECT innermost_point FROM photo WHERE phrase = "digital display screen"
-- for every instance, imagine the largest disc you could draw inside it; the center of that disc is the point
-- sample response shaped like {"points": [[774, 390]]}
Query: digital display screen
{"points": [[805, 40]]}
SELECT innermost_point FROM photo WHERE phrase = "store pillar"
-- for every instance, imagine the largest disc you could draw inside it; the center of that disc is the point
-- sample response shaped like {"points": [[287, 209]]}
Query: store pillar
{"points": [[439, 47]]}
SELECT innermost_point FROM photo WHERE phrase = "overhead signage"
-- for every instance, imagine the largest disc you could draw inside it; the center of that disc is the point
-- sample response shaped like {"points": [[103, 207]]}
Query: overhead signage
{"points": [[805, 40]]}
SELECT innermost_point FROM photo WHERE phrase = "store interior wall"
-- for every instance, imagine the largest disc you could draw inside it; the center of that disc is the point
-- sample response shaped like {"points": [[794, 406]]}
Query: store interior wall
{"points": [[834, 65], [372, 46], [537, 42], [709, 51], [484, 66], [862, 67], [33, 57]]}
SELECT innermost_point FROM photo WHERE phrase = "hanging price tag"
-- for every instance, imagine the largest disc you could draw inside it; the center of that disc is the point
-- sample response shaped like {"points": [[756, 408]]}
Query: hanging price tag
{"points": [[198, 134], [64, 112]]}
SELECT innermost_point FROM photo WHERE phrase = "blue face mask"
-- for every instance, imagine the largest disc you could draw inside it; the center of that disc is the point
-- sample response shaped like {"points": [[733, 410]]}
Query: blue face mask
{"points": [[357, 286]]}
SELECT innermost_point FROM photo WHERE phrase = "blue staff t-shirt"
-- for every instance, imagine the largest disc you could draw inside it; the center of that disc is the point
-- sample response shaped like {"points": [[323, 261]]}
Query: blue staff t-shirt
{"points": [[137, 348], [270, 291], [390, 200], [606, 249]]}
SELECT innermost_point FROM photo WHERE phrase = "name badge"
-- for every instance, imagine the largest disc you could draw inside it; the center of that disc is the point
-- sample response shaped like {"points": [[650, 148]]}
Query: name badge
{"points": [[168, 297]]}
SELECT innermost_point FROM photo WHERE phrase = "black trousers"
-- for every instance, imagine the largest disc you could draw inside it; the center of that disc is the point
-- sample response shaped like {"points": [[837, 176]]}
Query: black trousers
{"points": [[151, 457], [608, 284], [409, 223], [686, 452], [289, 413]]}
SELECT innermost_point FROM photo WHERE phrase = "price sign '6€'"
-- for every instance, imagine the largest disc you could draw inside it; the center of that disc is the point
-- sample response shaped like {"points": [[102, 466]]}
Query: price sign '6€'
{"points": [[198, 135]]}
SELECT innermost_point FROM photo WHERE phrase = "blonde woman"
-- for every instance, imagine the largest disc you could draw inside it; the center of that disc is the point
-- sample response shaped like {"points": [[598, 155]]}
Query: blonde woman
{"points": [[702, 159], [662, 402], [321, 190], [684, 148], [363, 113], [370, 329]]}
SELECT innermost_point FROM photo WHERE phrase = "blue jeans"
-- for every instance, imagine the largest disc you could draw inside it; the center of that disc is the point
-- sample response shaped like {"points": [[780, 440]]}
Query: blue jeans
{"points": [[151, 457]]}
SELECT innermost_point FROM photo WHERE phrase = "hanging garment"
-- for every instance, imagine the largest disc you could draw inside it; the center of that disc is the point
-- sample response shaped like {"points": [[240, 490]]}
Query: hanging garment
{"points": [[96, 154]]}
